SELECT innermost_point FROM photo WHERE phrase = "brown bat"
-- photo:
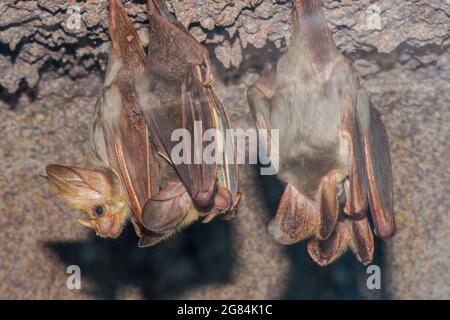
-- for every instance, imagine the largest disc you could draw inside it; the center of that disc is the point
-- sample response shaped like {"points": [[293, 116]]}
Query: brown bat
{"points": [[125, 171], [175, 92], [122, 173], [333, 150]]}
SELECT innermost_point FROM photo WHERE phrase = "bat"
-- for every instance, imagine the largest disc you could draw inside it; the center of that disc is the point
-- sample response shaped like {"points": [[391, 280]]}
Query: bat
{"points": [[333, 151], [122, 173], [126, 175], [175, 92]]}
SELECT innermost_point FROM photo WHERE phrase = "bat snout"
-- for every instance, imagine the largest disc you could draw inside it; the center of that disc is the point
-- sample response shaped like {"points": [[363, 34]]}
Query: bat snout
{"points": [[110, 227]]}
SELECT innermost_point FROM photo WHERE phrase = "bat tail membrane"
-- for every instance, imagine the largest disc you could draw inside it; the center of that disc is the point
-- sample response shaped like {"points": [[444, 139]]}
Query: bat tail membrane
{"points": [[167, 210]]}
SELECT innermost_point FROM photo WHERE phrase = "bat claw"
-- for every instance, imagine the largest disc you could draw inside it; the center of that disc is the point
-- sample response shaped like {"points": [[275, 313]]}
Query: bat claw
{"points": [[209, 79], [232, 211]]}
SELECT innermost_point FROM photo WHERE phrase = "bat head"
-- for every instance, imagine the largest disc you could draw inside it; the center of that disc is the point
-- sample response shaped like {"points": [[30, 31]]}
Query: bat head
{"points": [[95, 192]]}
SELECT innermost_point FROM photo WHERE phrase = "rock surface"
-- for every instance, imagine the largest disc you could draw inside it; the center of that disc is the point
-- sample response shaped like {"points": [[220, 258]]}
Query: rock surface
{"points": [[51, 70]]}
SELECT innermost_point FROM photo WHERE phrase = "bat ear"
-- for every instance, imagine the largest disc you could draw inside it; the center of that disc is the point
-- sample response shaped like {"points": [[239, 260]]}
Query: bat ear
{"points": [[124, 38], [77, 183]]}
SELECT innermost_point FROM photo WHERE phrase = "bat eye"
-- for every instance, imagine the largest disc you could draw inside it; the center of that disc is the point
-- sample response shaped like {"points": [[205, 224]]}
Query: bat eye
{"points": [[99, 210]]}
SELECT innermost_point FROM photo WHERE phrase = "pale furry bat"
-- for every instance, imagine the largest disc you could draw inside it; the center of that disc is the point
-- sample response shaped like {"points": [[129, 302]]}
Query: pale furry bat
{"points": [[333, 149], [130, 173]]}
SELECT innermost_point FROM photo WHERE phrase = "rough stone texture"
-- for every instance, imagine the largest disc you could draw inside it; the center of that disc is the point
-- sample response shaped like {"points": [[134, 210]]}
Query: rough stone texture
{"points": [[50, 75]]}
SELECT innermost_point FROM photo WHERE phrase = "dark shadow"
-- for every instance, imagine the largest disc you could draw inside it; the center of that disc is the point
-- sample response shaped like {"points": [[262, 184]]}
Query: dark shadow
{"points": [[344, 279], [202, 254], [254, 60], [12, 99], [199, 255]]}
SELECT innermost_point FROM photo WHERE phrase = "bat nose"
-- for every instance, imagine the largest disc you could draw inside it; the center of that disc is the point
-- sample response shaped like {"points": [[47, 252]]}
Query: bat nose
{"points": [[103, 227], [109, 227]]}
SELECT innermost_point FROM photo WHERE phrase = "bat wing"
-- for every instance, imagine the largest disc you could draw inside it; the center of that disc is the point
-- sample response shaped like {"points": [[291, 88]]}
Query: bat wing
{"points": [[120, 130], [128, 150], [259, 100], [328, 207], [178, 114], [362, 240], [181, 110], [356, 205], [370, 179], [227, 171], [326, 251], [378, 166], [136, 165]]}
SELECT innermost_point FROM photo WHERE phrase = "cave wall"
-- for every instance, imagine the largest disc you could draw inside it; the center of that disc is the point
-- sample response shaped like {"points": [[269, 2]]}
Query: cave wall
{"points": [[50, 75]]}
